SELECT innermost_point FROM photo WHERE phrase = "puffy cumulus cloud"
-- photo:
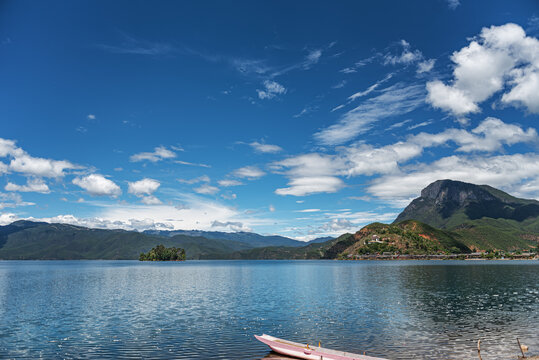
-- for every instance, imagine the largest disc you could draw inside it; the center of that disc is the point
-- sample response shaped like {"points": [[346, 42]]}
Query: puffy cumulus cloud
{"points": [[450, 98], [9, 147], [501, 57], [206, 189], [144, 189], [26, 164], [32, 185], [230, 225], [160, 153], [229, 182], [145, 186], [249, 172], [7, 218], [265, 148], [271, 90], [98, 185], [395, 100], [30, 165]]}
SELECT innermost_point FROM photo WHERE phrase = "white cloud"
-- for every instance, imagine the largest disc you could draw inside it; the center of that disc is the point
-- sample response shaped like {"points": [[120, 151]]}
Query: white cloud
{"points": [[406, 57], [501, 57], [203, 178], [312, 58], [150, 200], [421, 124], [206, 189], [271, 208], [159, 153], [308, 210], [229, 196], [395, 100], [310, 174], [249, 172], [450, 98], [315, 173], [234, 226], [98, 185], [12, 200], [32, 185], [271, 89], [302, 186], [370, 88], [425, 66], [29, 165], [453, 4], [191, 164], [143, 187], [7, 218], [91, 117], [399, 124], [265, 148], [229, 182]]}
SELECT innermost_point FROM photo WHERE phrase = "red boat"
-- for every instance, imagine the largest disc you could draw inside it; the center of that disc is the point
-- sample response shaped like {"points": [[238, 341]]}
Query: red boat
{"points": [[305, 351]]}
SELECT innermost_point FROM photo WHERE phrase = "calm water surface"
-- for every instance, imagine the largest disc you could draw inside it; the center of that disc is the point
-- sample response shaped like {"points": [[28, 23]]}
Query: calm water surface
{"points": [[211, 309]]}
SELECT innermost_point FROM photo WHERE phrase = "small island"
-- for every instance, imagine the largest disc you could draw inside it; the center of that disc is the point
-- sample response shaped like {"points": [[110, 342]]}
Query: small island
{"points": [[162, 253]]}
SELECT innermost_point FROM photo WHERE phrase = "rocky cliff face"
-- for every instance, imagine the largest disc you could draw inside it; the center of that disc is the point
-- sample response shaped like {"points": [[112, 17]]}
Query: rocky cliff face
{"points": [[449, 203], [460, 193]]}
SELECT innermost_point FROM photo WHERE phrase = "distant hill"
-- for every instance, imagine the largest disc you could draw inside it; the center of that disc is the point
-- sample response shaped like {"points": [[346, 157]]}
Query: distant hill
{"points": [[485, 217], [36, 240], [248, 238]]}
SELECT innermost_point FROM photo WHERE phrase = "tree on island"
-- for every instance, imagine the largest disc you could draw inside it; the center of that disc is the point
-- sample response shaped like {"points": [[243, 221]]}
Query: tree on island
{"points": [[161, 253]]}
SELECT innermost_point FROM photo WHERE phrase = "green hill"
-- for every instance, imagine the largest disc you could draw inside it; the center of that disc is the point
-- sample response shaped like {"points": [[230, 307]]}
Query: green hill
{"points": [[486, 218], [32, 240]]}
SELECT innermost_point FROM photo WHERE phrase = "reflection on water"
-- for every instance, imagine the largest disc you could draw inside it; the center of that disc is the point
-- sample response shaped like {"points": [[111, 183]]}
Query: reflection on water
{"points": [[211, 309]]}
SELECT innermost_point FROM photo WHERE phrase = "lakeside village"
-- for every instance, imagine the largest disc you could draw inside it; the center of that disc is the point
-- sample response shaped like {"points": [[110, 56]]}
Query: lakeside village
{"points": [[479, 255]]}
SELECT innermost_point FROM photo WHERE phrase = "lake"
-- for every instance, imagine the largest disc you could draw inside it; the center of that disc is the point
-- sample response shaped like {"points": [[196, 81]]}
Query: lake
{"points": [[211, 309]]}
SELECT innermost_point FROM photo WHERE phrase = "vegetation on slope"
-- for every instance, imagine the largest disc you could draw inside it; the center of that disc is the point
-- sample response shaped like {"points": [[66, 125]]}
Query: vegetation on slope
{"points": [[162, 253]]}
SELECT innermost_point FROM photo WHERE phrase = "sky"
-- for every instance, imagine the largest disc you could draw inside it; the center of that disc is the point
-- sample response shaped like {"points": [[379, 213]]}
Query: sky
{"points": [[303, 118]]}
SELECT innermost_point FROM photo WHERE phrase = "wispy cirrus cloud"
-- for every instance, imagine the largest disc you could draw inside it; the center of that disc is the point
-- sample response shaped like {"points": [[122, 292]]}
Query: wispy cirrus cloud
{"points": [[265, 148], [398, 99], [131, 45]]}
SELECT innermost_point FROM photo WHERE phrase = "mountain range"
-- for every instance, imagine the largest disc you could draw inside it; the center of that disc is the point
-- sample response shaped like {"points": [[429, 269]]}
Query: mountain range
{"points": [[449, 217]]}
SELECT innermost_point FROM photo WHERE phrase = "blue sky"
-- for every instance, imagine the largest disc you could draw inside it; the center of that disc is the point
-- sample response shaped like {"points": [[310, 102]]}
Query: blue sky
{"points": [[305, 119]]}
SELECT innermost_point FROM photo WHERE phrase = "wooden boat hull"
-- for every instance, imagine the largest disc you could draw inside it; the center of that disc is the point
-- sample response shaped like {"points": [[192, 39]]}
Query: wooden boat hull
{"points": [[302, 351]]}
